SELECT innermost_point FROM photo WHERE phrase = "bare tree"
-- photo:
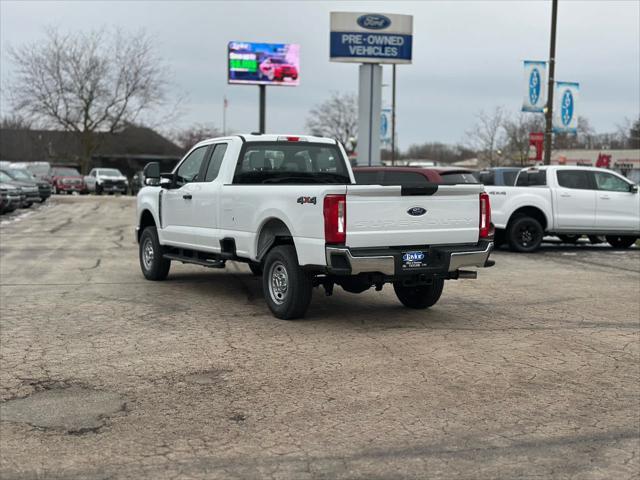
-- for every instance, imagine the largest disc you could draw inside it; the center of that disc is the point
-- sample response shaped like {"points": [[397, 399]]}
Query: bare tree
{"points": [[15, 122], [336, 117], [87, 82], [188, 137], [487, 135], [517, 130]]}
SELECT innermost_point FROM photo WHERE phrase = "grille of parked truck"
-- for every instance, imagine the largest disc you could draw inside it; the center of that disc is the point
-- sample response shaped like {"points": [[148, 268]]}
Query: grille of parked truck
{"points": [[289, 207]]}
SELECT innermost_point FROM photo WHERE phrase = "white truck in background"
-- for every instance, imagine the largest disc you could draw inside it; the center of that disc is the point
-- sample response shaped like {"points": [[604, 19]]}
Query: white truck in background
{"points": [[567, 201], [288, 207]]}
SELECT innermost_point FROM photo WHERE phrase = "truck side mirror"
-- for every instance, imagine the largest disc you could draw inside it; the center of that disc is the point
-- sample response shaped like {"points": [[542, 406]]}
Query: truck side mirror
{"points": [[151, 173], [633, 188]]}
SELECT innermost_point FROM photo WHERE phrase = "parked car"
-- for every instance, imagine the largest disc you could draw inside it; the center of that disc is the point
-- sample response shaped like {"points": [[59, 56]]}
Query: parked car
{"points": [[22, 175], [29, 190], [289, 207], [137, 182], [106, 180], [498, 176], [278, 69], [40, 170], [413, 176], [566, 201], [10, 197], [66, 180]]}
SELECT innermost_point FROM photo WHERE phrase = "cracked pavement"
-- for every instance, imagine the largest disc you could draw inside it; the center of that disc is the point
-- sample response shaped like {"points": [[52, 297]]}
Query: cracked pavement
{"points": [[530, 371]]}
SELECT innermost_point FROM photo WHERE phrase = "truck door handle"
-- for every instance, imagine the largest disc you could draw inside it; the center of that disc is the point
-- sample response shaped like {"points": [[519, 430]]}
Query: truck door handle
{"points": [[565, 195], [605, 197], [187, 196]]}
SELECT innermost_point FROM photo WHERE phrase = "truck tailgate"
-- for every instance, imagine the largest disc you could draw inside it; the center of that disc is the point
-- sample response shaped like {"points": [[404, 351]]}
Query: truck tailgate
{"points": [[380, 215]]}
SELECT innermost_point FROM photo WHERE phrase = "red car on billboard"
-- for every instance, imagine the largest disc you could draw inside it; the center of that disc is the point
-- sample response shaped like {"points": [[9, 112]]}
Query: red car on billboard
{"points": [[278, 69]]}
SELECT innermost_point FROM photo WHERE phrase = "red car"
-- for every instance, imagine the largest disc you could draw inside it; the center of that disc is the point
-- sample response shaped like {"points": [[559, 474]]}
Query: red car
{"points": [[413, 175], [278, 69], [66, 180]]}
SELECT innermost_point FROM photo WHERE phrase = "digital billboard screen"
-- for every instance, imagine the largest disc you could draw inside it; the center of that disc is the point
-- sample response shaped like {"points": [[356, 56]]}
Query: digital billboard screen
{"points": [[264, 63]]}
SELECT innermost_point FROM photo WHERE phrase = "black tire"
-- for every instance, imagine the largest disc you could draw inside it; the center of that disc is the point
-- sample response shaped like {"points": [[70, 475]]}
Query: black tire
{"points": [[287, 287], [621, 241], [524, 234], [597, 239], [256, 269], [422, 296], [153, 265], [569, 238], [98, 189]]}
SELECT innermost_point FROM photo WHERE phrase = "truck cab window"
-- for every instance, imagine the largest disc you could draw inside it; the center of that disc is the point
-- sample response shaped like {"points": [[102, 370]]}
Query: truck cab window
{"points": [[578, 179], [190, 167], [611, 183], [216, 160]]}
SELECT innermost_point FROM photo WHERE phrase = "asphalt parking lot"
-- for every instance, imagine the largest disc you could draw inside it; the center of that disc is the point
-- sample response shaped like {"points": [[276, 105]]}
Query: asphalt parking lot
{"points": [[531, 371]]}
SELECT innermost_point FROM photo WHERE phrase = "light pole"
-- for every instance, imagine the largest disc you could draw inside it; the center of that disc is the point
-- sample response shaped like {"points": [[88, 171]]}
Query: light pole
{"points": [[552, 64], [393, 117]]}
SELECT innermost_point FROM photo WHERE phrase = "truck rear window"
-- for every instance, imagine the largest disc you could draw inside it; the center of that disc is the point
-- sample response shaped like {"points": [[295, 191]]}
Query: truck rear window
{"points": [[290, 162], [532, 178], [455, 178]]}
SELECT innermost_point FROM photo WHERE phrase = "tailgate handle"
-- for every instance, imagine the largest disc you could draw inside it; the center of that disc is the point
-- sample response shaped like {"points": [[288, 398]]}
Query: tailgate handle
{"points": [[428, 189]]}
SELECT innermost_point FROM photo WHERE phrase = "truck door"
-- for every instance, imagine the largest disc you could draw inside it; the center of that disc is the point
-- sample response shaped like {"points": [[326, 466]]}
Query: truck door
{"points": [[205, 221], [177, 202], [617, 207], [575, 200]]}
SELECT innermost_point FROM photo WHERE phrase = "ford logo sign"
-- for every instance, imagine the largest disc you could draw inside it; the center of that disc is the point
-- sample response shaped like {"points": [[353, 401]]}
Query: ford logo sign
{"points": [[416, 211], [566, 110], [373, 21], [534, 86]]}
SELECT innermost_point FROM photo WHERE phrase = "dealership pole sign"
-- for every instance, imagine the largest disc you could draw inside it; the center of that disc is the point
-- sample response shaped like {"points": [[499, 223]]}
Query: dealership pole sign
{"points": [[565, 117], [371, 37], [535, 79]]}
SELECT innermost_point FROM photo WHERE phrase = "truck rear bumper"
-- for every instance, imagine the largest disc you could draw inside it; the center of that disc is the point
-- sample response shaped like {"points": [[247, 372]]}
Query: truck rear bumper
{"points": [[439, 259]]}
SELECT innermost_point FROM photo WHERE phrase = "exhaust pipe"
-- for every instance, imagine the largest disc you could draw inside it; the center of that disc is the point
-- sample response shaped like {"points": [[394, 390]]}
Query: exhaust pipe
{"points": [[467, 274]]}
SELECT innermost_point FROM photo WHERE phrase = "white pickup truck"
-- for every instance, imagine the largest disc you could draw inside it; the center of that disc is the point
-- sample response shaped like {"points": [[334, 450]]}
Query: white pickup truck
{"points": [[288, 206], [568, 202]]}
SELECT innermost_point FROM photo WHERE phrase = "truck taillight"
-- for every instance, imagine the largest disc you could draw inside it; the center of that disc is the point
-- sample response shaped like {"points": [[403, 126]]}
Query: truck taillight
{"points": [[335, 218], [485, 215]]}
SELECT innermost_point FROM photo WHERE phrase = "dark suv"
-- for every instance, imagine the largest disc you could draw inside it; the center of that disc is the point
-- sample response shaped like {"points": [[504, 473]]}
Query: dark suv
{"points": [[26, 177]]}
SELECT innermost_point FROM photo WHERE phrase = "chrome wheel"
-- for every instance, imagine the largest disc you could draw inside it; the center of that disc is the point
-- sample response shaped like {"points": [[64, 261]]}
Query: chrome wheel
{"points": [[147, 254], [278, 282]]}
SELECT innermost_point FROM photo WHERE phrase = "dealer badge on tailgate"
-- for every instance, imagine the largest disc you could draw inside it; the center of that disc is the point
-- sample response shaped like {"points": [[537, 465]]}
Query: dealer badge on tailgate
{"points": [[414, 260]]}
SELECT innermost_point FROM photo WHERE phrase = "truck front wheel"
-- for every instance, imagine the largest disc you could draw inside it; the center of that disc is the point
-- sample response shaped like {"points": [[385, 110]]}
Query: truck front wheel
{"points": [[524, 234], [287, 287], [154, 266], [422, 296]]}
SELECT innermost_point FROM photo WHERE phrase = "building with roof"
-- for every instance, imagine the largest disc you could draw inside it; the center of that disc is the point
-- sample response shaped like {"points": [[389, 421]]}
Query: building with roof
{"points": [[128, 150]]}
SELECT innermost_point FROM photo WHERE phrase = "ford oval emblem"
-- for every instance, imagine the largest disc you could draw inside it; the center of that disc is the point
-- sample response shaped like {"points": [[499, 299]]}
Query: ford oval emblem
{"points": [[416, 211], [373, 21], [534, 86], [566, 109]]}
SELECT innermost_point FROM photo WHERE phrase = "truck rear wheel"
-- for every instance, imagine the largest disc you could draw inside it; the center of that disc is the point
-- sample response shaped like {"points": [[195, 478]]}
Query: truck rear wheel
{"points": [[154, 266], [621, 241], [524, 234], [422, 296], [287, 287]]}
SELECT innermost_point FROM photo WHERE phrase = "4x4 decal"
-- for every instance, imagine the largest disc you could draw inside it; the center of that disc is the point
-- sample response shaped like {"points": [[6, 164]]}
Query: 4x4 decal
{"points": [[303, 200]]}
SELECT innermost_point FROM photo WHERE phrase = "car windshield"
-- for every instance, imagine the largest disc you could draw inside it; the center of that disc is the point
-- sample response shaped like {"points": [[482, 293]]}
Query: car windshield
{"points": [[109, 172], [39, 169], [66, 172], [277, 60], [454, 178], [4, 178], [291, 162], [19, 174]]}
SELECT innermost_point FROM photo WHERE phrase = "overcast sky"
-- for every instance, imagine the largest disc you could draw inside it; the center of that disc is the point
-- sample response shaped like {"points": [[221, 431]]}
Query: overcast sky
{"points": [[467, 56]]}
